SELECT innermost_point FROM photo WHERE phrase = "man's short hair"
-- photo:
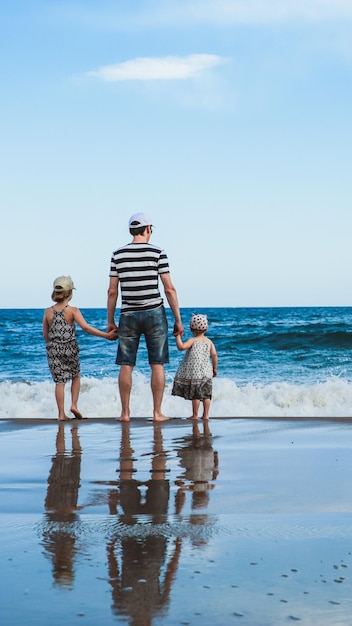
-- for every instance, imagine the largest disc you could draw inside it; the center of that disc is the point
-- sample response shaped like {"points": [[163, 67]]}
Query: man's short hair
{"points": [[135, 229]]}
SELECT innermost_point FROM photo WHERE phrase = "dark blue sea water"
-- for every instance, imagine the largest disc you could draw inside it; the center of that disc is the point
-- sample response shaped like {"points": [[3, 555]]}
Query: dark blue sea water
{"points": [[272, 361]]}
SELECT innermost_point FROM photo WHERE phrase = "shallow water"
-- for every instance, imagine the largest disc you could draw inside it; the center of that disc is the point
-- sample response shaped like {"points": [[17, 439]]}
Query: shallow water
{"points": [[272, 362], [142, 524]]}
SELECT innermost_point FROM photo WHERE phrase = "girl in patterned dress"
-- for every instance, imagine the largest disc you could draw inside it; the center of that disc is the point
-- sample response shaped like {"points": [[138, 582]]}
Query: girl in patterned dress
{"points": [[61, 343], [193, 380]]}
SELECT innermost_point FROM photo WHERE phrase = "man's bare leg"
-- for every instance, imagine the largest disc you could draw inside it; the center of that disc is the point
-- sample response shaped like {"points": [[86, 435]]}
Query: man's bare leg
{"points": [[158, 386], [125, 386]]}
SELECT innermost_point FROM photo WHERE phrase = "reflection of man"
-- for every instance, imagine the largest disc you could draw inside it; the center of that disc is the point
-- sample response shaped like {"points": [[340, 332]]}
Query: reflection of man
{"points": [[61, 504], [136, 268], [141, 583]]}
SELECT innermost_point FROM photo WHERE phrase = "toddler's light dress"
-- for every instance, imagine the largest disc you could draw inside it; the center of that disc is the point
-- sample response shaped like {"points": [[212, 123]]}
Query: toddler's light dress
{"points": [[194, 377]]}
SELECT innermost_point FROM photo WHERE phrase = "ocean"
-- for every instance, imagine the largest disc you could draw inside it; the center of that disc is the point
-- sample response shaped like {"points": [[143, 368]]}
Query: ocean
{"points": [[280, 362]]}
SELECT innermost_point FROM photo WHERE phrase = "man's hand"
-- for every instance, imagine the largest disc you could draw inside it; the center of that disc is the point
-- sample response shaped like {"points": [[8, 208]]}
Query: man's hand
{"points": [[178, 329], [113, 334]]}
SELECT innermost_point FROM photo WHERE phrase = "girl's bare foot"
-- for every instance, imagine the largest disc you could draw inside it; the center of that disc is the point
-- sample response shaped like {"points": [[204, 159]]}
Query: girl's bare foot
{"points": [[77, 414], [193, 417]]}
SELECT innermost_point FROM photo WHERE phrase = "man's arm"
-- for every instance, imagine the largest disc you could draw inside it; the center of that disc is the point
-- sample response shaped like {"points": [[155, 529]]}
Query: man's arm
{"points": [[171, 296], [113, 292]]}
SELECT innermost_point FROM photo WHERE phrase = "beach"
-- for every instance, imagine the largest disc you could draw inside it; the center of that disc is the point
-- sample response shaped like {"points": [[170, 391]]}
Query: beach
{"points": [[244, 520]]}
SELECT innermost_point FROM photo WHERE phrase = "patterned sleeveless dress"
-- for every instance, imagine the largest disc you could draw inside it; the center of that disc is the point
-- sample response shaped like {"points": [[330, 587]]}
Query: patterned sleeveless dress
{"points": [[62, 349], [194, 377]]}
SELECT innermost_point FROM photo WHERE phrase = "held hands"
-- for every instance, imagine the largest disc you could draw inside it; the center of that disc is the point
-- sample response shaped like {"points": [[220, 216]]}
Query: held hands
{"points": [[112, 334], [178, 329]]}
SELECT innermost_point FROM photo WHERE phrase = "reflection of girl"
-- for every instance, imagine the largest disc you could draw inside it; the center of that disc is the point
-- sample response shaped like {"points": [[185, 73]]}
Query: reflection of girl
{"points": [[64, 478], [193, 380], [61, 504]]}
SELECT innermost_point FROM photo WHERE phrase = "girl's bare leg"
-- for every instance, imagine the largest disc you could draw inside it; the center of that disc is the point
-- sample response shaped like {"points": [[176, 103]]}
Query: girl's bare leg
{"points": [[75, 389], [206, 407], [60, 400], [195, 409]]}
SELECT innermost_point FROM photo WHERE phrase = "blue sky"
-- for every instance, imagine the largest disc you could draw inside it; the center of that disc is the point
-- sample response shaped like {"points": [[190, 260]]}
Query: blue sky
{"points": [[228, 121]]}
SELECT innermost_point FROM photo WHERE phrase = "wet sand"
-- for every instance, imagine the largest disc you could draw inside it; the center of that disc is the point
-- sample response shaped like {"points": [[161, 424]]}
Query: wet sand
{"points": [[247, 523]]}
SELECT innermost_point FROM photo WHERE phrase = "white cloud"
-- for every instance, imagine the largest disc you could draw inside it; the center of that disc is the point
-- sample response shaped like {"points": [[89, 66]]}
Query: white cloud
{"points": [[158, 68]]}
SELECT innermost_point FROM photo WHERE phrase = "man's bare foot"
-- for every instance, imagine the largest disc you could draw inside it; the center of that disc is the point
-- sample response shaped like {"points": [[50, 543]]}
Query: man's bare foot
{"points": [[160, 418], [123, 418], [205, 417], [193, 417], [63, 419], [77, 414]]}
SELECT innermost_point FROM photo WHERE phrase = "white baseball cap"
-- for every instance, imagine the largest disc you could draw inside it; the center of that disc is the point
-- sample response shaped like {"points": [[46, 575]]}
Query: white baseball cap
{"points": [[142, 218]]}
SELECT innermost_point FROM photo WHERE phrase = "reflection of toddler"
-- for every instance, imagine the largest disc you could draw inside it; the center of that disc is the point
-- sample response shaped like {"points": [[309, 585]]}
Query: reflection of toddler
{"points": [[193, 380]]}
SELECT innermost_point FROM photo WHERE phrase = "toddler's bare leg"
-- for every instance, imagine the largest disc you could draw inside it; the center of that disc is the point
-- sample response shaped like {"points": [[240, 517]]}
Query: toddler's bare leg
{"points": [[206, 407], [195, 409]]}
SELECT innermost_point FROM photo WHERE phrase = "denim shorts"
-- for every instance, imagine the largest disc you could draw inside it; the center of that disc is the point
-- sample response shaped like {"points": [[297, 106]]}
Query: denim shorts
{"points": [[153, 325]]}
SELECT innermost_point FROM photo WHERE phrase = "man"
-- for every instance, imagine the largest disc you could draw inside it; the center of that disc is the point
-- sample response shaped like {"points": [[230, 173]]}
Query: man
{"points": [[136, 268]]}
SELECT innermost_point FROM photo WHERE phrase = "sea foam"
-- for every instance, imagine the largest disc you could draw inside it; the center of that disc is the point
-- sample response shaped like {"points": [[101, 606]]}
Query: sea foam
{"points": [[100, 398]]}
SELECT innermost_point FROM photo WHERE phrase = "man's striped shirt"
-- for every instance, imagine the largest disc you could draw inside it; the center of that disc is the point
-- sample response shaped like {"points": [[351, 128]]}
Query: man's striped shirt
{"points": [[137, 266]]}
